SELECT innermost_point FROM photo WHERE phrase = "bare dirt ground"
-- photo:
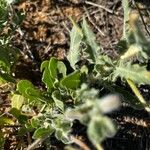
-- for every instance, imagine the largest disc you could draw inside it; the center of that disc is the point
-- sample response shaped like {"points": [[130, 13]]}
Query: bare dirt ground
{"points": [[45, 33]]}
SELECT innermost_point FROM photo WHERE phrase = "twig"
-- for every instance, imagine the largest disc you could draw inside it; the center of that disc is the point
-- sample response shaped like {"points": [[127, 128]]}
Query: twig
{"points": [[88, 16], [148, 32], [35, 144], [100, 6], [11, 126], [80, 143]]}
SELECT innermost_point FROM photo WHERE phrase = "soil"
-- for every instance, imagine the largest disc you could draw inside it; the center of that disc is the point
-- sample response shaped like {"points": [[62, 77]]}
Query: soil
{"points": [[45, 33]]}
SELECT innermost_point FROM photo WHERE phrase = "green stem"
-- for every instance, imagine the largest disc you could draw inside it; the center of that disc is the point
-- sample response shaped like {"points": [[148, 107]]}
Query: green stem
{"points": [[138, 94], [99, 147], [125, 5]]}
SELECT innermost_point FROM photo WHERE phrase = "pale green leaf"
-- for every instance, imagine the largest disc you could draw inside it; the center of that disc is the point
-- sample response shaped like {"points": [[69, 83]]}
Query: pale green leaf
{"points": [[60, 135], [74, 51], [136, 73], [99, 128], [17, 101], [58, 101], [133, 50], [90, 39]]}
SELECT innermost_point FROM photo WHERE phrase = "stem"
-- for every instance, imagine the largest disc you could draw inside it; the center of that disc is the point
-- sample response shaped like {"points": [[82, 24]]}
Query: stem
{"points": [[80, 143], [99, 147], [35, 144], [126, 9], [138, 94]]}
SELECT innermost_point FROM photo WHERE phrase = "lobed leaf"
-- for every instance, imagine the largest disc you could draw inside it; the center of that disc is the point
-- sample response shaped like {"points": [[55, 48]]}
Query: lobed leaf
{"points": [[90, 40], [136, 73]]}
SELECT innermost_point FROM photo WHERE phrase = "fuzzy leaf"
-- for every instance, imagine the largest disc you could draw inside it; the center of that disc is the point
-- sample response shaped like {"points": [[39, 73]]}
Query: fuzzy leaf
{"points": [[57, 99], [132, 51], [63, 128], [74, 51], [136, 73], [60, 135], [99, 128], [91, 41]]}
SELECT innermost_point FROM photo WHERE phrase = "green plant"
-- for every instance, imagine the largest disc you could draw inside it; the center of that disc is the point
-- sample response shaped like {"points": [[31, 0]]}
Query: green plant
{"points": [[133, 58], [9, 22], [62, 96], [52, 111]]}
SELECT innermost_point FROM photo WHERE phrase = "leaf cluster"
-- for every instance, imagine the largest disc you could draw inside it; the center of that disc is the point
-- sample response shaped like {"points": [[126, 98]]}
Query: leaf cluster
{"points": [[51, 111]]}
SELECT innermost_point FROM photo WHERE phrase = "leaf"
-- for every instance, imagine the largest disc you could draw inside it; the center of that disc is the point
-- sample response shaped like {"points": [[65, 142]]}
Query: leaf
{"points": [[57, 99], [7, 77], [23, 85], [133, 50], [99, 128], [136, 73], [4, 56], [91, 41], [61, 68], [15, 112], [17, 101], [42, 132], [35, 122], [63, 128], [6, 121], [46, 77], [44, 65], [74, 51], [62, 136], [34, 95], [2, 141], [27, 89], [18, 115], [72, 81], [53, 68]]}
